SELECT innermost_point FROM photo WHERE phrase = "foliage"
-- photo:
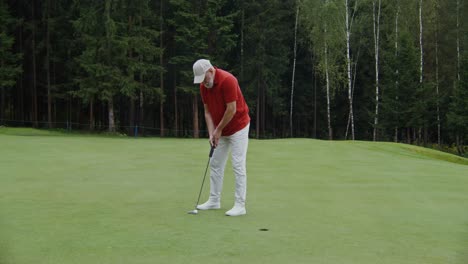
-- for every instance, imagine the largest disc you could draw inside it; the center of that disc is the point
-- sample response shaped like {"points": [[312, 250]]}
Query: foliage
{"points": [[10, 65], [458, 114], [126, 52]]}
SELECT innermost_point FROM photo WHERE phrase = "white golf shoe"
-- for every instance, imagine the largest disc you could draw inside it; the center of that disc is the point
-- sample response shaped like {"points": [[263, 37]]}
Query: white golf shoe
{"points": [[209, 205], [236, 210]]}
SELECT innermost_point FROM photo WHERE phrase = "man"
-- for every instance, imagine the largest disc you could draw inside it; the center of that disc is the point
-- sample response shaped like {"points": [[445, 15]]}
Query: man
{"points": [[228, 121]]}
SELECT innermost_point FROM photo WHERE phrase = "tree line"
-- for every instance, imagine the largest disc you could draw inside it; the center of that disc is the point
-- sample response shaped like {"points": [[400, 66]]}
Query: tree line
{"points": [[388, 70]]}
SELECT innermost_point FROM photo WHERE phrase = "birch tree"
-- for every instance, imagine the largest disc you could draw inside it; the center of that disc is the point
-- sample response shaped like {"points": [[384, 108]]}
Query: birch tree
{"points": [[437, 73], [421, 67], [327, 84], [458, 40], [109, 91], [376, 26], [325, 33], [437, 82], [396, 68], [400, 73], [348, 28], [421, 43], [293, 71]]}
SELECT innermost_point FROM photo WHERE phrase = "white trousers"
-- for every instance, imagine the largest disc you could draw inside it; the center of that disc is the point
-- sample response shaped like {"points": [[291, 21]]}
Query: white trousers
{"points": [[238, 144]]}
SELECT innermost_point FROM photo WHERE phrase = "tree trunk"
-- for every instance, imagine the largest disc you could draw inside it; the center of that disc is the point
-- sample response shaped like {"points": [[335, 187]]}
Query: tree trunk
{"points": [[421, 42], [77, 112], [437, 80], [20, 82], [132, 123], [458, 40], [459, 146], [315, 103], [110, 105], [263, 112], [258, 111], [425, 136], [111, 115], [196, 129], [161, 74], [408, 135], [293, 74], [395, 139], [34, 87], [91, 115], [396, 70], [69, 113], [2, 99], [422, 59], [47, 66], [141, 114], [420, 138], [161, 117], [132, 119], [69, 101], [348, 62], [415, 136], [242, 46], [176, 109], [327, 78], [376, 22]]}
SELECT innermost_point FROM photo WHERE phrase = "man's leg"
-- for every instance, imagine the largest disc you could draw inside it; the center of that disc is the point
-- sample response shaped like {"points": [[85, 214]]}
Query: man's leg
{"points": [[239, 143], [217, 165]]}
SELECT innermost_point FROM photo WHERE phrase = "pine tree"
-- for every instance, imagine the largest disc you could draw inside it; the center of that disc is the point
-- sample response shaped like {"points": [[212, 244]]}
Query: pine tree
{"points": [[407, 94], [267, 36], [9, 61], [104, 56], [139, 35], [458, 114], [201, 30]]}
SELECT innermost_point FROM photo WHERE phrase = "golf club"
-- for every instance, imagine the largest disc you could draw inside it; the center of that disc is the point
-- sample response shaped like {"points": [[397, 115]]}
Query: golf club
{"points": [[195, 211]]}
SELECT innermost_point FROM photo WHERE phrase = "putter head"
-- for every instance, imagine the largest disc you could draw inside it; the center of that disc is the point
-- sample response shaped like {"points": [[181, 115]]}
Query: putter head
{"points": [[194, 212]]}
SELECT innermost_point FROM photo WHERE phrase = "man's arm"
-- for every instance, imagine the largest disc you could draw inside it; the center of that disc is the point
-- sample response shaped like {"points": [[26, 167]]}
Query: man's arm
{"points": [[231, 109], [209, 122]]}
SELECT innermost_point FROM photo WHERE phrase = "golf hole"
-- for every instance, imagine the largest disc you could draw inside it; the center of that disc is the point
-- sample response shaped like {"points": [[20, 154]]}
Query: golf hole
{"points": [[263, 229]]}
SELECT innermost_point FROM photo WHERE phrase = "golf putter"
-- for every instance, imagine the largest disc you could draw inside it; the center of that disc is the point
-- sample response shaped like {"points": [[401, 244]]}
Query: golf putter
{"points": [[195, 211]]}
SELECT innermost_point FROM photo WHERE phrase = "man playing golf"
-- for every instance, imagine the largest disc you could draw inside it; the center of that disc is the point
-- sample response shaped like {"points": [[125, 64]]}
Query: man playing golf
{"points": [[228, 121]]}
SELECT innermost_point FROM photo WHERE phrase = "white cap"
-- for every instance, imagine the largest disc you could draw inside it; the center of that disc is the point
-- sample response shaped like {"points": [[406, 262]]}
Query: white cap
{"points": [[199, 69]]}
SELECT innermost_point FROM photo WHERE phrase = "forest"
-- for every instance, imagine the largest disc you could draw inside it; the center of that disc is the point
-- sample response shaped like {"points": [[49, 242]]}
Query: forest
{"points": [[376, 70]]}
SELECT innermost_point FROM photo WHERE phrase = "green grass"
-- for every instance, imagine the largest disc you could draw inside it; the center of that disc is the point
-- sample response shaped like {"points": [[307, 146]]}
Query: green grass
{"points": [[90, 199]]}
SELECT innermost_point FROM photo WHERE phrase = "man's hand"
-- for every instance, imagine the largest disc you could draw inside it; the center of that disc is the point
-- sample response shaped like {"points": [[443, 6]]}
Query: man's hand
{"points": [[216, 134], [214, 138]]}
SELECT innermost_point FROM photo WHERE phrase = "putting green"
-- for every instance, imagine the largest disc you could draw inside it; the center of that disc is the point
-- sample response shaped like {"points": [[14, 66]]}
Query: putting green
{"points": [[90, 199]]}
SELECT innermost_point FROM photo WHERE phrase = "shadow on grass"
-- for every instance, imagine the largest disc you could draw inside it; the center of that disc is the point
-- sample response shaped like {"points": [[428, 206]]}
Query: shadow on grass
{"points": [[435, 154]]}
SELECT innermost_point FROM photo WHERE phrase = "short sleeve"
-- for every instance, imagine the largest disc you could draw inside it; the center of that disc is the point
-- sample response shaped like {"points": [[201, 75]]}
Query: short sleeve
{"points": [[230, 89]]}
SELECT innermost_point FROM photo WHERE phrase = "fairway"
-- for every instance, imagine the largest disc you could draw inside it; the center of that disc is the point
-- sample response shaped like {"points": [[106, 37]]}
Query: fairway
{"points": [[95, 199]]}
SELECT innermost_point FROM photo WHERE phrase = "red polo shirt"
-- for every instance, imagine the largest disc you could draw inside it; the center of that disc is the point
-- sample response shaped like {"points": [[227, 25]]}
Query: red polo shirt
{"points": [[225, 90]]}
